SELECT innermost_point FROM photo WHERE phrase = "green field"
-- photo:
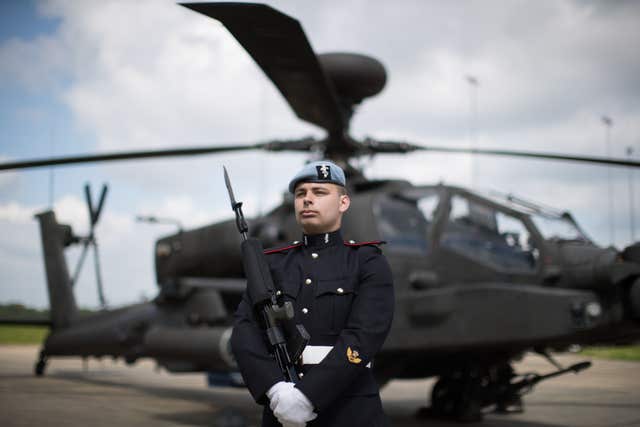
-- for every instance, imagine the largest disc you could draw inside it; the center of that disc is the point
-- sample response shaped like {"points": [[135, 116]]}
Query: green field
{"points": [[22, 334], [628, 352]]}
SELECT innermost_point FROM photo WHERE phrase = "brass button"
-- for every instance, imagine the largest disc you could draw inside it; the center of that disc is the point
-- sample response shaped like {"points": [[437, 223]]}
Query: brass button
{"points": [[307, 282], [340, 290], [300, 375], [305, 310], [279, 293], [314, 255]]}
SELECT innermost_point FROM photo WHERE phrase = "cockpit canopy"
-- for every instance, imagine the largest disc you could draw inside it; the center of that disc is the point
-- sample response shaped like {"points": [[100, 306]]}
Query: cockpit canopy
{"points": [[500, 233]]}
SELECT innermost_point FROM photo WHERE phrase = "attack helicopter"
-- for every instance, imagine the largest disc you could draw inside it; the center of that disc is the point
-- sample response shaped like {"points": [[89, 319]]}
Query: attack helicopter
{"points": [[480, 279]]}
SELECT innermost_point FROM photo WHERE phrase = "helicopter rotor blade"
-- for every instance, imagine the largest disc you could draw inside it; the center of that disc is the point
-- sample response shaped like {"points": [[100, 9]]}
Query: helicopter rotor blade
{"points": [[371, 146], [83, 255], [98, 210], [96, 263], [280, 47], [303, 144], [87, 197]]}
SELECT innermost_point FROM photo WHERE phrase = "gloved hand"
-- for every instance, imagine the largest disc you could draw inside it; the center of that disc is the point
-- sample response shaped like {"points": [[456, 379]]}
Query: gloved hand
{"points": [[290, 405]]}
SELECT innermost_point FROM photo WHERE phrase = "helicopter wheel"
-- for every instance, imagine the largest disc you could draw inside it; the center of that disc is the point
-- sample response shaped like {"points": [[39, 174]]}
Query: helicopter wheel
{"points": [[443, 398], [40, 365], [507, 401], [454, 398]]}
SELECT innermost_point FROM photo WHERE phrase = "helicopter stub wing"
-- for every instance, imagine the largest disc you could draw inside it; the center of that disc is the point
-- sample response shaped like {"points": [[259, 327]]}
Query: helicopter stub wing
{"points": [[279, 45]]}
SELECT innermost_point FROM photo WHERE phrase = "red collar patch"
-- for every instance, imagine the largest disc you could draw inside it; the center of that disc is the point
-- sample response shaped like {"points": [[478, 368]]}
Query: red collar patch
{"points": [[273, 251]]}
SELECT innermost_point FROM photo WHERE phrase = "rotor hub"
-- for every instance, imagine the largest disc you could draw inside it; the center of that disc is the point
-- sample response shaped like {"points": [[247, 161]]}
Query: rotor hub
{"points": [[354, 76]]}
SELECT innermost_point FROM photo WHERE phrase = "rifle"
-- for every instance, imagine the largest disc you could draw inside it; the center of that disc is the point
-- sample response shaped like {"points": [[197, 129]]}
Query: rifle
{"points": [[286, 339]]}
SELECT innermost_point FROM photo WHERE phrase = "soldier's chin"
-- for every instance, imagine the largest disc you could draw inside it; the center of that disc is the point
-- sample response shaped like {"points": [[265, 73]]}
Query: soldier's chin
{"points": [[311, 225]]}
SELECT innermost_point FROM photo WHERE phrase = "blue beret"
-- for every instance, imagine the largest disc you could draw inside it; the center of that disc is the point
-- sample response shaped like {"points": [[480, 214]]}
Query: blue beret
{"points": [[320, 171]]}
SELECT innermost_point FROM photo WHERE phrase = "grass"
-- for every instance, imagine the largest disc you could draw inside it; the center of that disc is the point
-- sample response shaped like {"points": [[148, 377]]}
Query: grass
{"points": [[10, 334], [14, 334], [627, 352]]}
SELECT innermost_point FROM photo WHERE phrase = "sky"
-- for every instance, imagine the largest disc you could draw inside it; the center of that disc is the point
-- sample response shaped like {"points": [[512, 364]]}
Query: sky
{"points": [[101, 76]]}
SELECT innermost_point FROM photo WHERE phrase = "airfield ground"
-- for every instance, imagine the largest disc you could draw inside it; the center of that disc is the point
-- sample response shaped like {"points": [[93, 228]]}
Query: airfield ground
{"points": [[112, 394]]}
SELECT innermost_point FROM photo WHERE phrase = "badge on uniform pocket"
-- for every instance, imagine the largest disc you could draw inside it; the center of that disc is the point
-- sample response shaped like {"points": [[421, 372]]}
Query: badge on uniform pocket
{"points": [[353, 356]]}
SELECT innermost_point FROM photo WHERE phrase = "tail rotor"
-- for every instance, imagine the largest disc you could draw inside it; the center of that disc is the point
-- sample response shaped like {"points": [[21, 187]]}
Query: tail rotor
{"points": [[90, 241]]}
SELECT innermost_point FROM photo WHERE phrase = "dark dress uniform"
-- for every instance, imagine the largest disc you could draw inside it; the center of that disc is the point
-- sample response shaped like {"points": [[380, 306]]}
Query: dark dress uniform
{"points": [[343, 295]]}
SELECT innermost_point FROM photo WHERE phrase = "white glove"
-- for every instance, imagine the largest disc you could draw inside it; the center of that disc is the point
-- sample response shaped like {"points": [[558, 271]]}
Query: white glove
{"points": [[274, 392], [290, 405]]}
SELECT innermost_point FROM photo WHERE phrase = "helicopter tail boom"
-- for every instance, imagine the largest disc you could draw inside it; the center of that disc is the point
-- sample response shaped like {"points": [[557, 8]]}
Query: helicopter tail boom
{"points": [[62, 302]]}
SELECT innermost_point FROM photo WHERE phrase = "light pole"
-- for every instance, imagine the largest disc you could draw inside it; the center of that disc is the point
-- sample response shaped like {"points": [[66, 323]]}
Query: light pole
{"points": [[608, 123], [473, 125], [631, 202]]}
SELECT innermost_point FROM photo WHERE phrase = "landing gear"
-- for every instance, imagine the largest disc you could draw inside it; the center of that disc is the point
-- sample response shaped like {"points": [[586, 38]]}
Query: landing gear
{"points": [[466, 394], [40, 365], [458, 396], [508, 400]]}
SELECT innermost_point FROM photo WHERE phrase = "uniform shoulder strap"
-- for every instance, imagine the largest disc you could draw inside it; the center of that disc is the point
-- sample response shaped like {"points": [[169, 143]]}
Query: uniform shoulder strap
{"points": [[354, 244]]}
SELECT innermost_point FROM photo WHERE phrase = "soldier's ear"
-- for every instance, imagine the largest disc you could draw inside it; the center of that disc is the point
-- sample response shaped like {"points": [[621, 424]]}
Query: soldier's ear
{"points": [[345, 202]]}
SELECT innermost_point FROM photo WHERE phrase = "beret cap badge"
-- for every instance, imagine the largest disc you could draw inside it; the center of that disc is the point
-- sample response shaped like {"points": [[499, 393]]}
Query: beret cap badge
{"points": [[324, 172]]}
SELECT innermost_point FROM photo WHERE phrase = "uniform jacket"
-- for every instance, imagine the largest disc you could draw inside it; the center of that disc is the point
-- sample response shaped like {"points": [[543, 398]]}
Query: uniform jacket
{"points": [[342, 293]]}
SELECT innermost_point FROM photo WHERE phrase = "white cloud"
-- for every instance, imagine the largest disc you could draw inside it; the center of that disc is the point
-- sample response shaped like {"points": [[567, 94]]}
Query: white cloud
{"points": [[153, 74], [16, 213]]}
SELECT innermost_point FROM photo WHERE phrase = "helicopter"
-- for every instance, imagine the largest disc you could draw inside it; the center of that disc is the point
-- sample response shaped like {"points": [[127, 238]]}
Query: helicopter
{"points": [[472, 272]]}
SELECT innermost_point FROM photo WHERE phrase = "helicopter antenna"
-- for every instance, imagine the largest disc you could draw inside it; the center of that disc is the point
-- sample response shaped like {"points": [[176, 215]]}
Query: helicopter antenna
{"points": [[51, 170], [90, 240]]}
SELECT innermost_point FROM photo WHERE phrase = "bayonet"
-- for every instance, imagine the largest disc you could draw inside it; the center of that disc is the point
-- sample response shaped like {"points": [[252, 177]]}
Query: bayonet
{"points": [[227, 182], [243, 228]]}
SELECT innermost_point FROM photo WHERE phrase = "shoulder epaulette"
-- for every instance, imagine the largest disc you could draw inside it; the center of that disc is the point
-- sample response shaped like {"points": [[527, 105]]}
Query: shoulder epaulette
{"points": [[276, 250], [353, 243]]}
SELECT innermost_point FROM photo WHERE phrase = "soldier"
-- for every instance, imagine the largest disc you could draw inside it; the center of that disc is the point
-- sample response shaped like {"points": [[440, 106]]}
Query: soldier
{"points": [[343, 295]]}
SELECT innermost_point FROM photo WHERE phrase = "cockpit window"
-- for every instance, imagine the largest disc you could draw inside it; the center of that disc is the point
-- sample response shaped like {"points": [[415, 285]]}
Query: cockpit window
{"points": [[554, 228], [489, 236], [404, 220]]}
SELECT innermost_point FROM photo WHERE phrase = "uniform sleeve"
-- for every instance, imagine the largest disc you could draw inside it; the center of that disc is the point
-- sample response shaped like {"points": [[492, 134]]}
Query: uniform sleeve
{"points": [[248, 342], [366, 329]]}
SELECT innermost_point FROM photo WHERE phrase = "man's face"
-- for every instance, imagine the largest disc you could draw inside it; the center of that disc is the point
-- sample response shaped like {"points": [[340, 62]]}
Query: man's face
{"points": [[319, 207]]}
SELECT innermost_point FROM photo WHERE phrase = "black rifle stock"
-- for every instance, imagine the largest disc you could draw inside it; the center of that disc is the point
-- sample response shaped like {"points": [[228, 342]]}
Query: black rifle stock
{"points": [[286, 338]]}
